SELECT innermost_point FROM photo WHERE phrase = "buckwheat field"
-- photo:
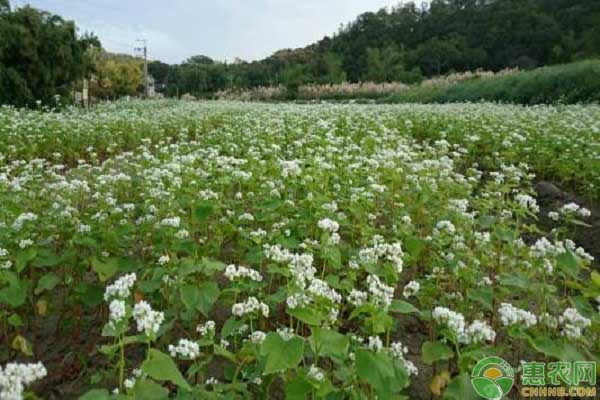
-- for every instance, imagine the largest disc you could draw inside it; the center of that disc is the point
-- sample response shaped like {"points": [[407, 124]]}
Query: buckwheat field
{"points": [[222, 250]]}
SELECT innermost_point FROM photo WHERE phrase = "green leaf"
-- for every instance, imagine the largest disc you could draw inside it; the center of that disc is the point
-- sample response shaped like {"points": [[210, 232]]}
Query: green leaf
{"points": [[309, 316], [460, 388], [230, 326], [190, 296], [435, 351], [377, 369], [47, 282], [209, 293], [596, 278], [556, 349], [403, 307], [332, 255], [105, 270], [568, 263], [203, 211], [146, 389], [328, 343], [24, 257], [15, 320], [96, 394], [414, 246], [15, 294], [297, 389], [483, 295], [281, 355], [161, 367]]}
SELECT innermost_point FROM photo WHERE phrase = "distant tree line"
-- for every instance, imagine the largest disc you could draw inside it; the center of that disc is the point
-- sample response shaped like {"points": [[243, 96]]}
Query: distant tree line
{"points": [[408, 43], [42, 56]]}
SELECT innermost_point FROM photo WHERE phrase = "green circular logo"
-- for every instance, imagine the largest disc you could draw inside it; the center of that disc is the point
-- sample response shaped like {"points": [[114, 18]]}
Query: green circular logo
{"points": [[492, 378]]}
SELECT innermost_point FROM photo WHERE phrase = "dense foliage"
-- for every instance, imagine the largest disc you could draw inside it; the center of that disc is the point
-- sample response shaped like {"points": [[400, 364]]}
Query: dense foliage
{"points": [[41, 56], [228, 250], [407, 43], [570, 83]]}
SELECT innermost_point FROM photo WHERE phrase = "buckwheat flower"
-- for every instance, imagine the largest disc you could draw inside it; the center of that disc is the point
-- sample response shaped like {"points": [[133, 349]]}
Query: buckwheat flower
{"points": [[375, 343], [511, 315], [208, 328], [212, 381], [573, 208], [246, 217], [116, 311], [285, 333], [15, 377], [257, 337], [6, 265], [185, 349], [148, 320], [25, 243], [182, 234], [316, 373], [121, 288], [411, 289], [357, 298], [452, 319], [528, 202], [398, 351], [251, 305], [479, 331], [553, 215], [290, 168], [573, 323], [3, 252], [164, 259], [444, 226], [329, 225], [172, 222], [232, 273], [381, 293], [22, 219]]}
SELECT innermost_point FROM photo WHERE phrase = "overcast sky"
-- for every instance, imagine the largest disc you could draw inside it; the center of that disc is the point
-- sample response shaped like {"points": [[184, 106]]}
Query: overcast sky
{"points": [[220, 29]]}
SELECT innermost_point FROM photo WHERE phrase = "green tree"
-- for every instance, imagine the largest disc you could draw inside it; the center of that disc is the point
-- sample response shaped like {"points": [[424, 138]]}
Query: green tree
{"points": [[41, 56]]}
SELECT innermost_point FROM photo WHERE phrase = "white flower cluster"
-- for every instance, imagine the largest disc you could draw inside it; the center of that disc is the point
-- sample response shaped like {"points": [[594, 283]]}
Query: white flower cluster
{"points": [[575, 209], [379, 249], [511, 315], [207, 328], [357, 297], [257, 337], [121, 288], [300, 265], [147, 320], [290, 168], [14, 377], [381, 293], [21, 219], [315, 373], [411, 289], [251, 305], [117, 311], [477, 331], [444, 226], [320, 288], [232, 273], [173, 222], [399, 351], [375, 344], [527, 202], [332, 227], [573, 323], [186, 349]]}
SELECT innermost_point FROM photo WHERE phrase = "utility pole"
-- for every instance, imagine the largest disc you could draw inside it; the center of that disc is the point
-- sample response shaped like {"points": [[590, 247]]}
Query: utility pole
{"points": [[145, 55]]}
